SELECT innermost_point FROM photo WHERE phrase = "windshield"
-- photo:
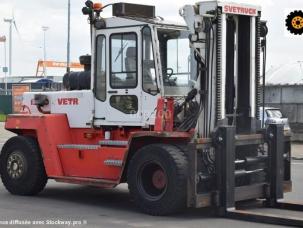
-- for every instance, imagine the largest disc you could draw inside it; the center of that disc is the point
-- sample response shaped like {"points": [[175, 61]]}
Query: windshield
{"points": [[274, 113], [177, 66]]}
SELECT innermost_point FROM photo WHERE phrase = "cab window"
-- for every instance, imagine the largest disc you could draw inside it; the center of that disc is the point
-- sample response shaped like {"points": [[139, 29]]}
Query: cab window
{"points": [[127, 104], [178, 65], [148, 66], [124, 60], [100, 82]]}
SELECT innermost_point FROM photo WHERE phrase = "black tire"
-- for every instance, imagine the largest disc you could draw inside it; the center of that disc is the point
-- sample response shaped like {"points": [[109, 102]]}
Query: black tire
{"points": [[167, 194], [21, 166]]}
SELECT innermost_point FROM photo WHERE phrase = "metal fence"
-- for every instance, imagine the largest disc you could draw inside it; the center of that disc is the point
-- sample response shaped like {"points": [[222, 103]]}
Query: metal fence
{"points": [[6, 97], [5, 104], [35, 87]]}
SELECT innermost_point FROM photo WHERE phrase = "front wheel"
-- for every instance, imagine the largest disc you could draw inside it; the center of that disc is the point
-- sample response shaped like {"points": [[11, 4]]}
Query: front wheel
{"points": [[21, 166], [157, 178]]}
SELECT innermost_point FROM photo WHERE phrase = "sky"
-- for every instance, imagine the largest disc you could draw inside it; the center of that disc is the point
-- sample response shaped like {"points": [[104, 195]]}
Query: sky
{"points": [[31, 15]]}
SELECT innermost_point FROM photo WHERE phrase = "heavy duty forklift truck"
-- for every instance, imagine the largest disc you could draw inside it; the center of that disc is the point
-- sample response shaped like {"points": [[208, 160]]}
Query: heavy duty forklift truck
{"points": [[172, 110]]}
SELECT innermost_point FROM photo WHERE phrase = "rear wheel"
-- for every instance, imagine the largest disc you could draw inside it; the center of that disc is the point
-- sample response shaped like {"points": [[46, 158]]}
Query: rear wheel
{"points": [[157, 178], [21, 166]]}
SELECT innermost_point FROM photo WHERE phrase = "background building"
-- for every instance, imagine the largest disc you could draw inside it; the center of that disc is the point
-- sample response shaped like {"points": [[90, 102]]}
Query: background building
{"points": [[284, 90]]}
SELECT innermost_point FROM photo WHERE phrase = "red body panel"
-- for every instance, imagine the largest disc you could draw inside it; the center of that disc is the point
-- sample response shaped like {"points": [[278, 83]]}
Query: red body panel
{"points": [[90, 163], [51, 130], [75, 155]]}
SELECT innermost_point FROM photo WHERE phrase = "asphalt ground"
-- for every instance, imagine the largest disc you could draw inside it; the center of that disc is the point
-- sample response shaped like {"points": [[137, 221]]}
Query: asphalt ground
{"points": [[64, 205]]}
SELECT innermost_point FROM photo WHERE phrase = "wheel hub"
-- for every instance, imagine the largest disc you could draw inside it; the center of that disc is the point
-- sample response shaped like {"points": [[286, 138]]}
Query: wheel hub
{"points": [[152, 181], [15, 165], [159, 179]]}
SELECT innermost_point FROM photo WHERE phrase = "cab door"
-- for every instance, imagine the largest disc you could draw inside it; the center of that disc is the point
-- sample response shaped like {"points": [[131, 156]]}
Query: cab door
{"points": [[121, 99]]}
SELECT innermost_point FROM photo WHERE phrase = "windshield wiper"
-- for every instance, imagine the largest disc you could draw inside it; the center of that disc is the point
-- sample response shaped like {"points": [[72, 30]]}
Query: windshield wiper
{"points": [[121, 51]]}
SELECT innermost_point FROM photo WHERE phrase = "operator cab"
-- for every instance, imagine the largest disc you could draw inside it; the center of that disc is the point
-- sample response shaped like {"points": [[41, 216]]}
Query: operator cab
{"points": [[137, 59]]}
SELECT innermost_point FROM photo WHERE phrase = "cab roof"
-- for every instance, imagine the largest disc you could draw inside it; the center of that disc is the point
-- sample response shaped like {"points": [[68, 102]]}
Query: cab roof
{"points": [[113, 22]]}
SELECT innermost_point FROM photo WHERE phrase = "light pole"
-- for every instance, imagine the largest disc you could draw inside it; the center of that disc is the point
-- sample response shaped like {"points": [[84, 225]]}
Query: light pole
{"points": [[10, 21], [3, 40], [5, 68], [68, 38], [44, 29]]}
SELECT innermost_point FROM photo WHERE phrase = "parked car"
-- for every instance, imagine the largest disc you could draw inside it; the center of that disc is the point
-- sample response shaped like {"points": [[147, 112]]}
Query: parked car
{"points": [[274, 116]]}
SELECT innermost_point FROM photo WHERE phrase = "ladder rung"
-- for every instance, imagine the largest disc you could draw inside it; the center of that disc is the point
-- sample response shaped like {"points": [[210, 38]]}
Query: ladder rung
{"points": [[113, 143]]}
